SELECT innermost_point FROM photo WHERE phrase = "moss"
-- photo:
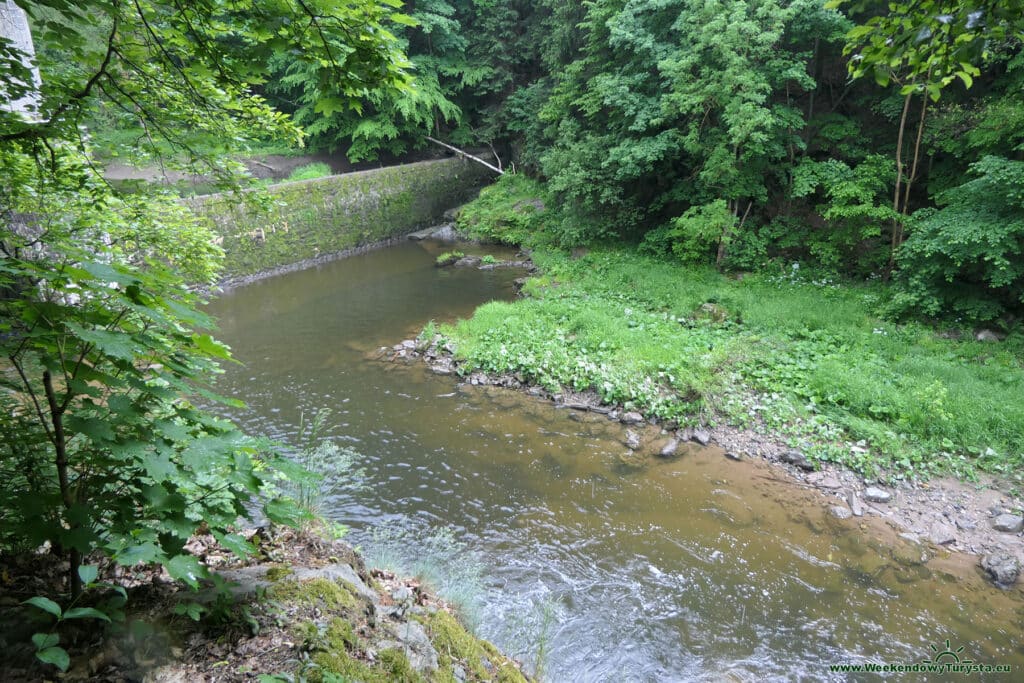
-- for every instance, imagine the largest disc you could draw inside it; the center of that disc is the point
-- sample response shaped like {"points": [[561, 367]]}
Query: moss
{"points": [[324, 593], [333, 653], [310, 218], [275, 574], [457, 646]]}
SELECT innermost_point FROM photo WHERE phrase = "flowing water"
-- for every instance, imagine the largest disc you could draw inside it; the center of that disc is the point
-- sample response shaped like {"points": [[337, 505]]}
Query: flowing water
{"points": [[696, 567]]}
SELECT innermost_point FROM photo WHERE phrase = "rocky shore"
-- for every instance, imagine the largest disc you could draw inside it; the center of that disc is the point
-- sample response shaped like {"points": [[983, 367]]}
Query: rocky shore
{"points": [[303, 608], [939, 515]]}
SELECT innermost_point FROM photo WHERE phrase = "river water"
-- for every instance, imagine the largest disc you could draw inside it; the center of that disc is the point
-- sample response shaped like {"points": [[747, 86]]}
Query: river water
{"points": [[691, 568]]}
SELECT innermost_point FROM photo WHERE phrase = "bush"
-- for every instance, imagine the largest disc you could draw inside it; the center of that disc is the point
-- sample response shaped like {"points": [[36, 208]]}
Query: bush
{"points": [[966, 258], [511, 211], [102, 450]]}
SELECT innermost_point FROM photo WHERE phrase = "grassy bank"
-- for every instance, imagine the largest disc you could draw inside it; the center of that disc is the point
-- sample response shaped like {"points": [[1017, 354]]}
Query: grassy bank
{"points": [[809, 361]]}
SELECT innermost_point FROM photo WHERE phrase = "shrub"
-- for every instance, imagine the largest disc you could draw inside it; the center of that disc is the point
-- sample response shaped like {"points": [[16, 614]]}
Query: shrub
{"points": [[967, 257]]}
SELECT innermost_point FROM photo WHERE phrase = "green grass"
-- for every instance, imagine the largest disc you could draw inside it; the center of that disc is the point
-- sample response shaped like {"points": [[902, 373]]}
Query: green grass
{"points": [[309, 172], [810, 360]]}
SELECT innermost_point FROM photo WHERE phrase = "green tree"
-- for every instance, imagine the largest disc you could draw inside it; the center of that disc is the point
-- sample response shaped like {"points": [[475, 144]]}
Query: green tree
{"points": [[104, 351], [923, 47], [966, 258]]}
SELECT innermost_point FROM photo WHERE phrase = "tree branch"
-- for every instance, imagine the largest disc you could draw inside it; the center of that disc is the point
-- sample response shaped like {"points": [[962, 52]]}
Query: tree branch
{"points": [[466, 155]]}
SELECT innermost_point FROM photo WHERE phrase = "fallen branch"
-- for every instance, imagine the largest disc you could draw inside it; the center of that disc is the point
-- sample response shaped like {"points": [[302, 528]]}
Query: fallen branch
{"points": [[467, 155]]}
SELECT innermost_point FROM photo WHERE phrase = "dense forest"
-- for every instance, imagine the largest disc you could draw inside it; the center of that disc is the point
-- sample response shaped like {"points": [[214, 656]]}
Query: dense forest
{"points": [[868, 140]]}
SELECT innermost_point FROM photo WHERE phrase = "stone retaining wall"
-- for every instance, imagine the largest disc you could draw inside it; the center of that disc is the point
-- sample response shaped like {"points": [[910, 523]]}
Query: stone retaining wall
{"points": [[313, 219]]}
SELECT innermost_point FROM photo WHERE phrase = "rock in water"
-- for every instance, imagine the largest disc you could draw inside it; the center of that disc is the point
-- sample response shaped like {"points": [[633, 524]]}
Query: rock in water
{"points": [[840, 512], [1002, 567], [631, 418], [669, 449], [1008, 523], [702, 437]]}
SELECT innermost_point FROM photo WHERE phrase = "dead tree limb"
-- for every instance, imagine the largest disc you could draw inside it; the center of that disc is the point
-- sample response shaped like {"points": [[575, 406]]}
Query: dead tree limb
{"points": [[467, 155]]}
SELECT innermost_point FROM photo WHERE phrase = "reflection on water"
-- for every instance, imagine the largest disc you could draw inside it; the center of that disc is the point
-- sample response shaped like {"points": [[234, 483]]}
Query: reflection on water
{"points": [[696, 567]]}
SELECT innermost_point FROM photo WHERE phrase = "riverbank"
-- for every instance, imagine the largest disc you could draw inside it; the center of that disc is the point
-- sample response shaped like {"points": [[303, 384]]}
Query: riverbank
{"points": [[884, 419], [301, 608]]}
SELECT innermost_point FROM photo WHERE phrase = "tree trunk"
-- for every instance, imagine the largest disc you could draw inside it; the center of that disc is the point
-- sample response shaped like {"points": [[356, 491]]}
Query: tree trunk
{"points": [[66, 495], [897, 223]]}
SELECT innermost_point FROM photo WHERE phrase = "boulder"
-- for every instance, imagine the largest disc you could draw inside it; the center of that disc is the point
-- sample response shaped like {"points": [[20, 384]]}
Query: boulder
{"points": [[1002, 568], [1007, 523], [468, 262], [701, 436], [855, 506], [941, 533], [797, 458], [631, 418], [823, 480]]}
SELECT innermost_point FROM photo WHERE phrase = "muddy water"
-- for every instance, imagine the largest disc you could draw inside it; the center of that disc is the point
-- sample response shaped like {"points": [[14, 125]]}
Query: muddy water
{"points": [[692, 568]]}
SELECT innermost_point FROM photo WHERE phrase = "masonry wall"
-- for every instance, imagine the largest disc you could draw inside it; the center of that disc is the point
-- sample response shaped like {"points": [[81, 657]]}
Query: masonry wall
{"points": [[314, 219]]}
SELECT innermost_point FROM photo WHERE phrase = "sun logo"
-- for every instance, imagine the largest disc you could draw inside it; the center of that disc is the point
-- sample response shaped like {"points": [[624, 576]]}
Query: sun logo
{"points": [[947, 656]]}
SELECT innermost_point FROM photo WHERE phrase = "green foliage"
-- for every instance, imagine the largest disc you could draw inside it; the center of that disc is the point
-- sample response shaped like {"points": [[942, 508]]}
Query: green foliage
{"points": [[310, 171], [694, 236], [928, 44], [809, 360], [966, 258], [448, 258], [511, 211], [183, 72], [382, 118], [103, 449], [857, 205], [48, 649]]}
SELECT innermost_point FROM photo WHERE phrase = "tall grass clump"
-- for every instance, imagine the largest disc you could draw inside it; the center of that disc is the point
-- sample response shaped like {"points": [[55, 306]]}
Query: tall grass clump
{"points": [[436, 557]]}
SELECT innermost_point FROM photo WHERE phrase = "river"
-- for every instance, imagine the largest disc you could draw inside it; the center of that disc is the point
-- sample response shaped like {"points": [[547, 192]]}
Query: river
{"points": [[690, 568]]}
